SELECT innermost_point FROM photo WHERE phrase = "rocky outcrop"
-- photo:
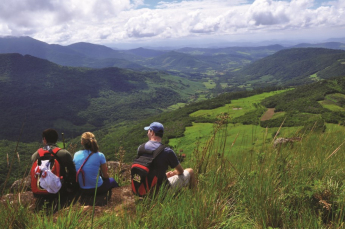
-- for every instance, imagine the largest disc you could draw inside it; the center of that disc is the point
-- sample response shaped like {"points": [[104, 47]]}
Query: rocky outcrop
{"points": [[283, 141]]}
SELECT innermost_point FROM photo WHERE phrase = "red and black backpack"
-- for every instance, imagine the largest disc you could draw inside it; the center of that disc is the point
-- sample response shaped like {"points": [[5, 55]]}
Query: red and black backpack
{"points": [[55, 167], [143, 178]]}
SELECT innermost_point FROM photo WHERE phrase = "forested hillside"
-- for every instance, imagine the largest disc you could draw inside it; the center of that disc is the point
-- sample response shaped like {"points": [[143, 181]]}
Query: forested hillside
{"points": [[41, 94], [295, 66], [318, 102], [308, 107]]}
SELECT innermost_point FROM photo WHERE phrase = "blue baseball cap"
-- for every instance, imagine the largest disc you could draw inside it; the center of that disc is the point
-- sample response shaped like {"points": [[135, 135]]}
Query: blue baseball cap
{"points": [[156, 127]]}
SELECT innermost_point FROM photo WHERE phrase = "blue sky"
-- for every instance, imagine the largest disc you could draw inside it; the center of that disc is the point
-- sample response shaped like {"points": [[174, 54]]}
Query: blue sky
{"points": [[151, 22]]}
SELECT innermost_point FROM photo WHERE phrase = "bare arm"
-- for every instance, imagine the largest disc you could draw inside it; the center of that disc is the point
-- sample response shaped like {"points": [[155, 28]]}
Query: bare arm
{"points": [[34, 157], [178, 171], [104, 170]]}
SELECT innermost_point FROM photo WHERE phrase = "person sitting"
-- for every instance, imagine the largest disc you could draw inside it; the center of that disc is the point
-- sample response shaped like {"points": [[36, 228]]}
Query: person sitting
{"points": [[91, 161], [177, 178], [47, 188]]}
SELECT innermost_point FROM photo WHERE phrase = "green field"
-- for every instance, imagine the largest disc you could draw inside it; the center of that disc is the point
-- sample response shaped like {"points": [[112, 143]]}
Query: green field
{"points": [[244, 137], [237, 107], [278, 115], [333, 102], [335, 128], [175, 106], [185, 87], [224, 85], [330, 105], [210, 84]]}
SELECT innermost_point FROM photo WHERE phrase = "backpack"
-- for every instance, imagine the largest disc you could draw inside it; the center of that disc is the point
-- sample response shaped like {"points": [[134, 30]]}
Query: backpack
{"points": [[46, 177], [141, 178]]}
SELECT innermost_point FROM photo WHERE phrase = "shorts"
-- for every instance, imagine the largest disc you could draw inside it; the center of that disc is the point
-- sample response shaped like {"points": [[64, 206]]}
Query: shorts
{"points": [[179, 181], [108, 184]]}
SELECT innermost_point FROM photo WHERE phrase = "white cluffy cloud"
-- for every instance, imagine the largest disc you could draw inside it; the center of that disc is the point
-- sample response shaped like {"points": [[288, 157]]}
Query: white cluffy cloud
{"points": [[109, 21]]}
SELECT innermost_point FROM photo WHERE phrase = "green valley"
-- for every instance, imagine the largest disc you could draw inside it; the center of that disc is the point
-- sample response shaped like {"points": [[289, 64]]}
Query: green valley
{"points": [[229, 110], [42, 94]]}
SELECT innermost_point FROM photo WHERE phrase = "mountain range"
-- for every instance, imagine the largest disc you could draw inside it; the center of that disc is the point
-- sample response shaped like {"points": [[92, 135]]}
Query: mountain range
{"points": [[188, 62], [39, 92]]}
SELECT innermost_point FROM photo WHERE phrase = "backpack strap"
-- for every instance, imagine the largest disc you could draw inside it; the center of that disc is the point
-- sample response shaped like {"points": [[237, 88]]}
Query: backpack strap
{"points": [[158, 151], [62, 165], [154, 153], [80, 170], [42, 152]]}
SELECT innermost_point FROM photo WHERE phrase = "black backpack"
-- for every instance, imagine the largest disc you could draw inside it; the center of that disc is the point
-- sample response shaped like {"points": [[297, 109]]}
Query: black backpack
{"points": [[141, 178]]}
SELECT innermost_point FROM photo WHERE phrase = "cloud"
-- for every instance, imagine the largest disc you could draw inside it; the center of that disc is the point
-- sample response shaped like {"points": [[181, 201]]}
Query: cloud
{"points": [[38, 15], [108, 21]]}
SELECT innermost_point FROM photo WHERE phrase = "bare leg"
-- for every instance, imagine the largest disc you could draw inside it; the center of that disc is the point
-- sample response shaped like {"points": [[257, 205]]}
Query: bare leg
{"points": [[192, 182]]}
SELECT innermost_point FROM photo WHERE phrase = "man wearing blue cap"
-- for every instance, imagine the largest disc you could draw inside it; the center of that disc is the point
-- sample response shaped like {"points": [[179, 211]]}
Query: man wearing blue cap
{"points": [[177, 178]]}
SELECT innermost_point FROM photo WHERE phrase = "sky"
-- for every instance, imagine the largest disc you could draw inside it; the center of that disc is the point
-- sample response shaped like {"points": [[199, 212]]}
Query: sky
{"points": [[131, 23]]}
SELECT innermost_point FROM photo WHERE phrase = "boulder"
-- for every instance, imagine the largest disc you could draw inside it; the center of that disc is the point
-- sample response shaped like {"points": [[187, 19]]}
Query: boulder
{"points": [[21, 185]]}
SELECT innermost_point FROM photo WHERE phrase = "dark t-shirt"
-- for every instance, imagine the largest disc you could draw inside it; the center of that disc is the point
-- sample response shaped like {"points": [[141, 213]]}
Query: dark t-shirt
{"points": [[67, 163], [163, 160]]}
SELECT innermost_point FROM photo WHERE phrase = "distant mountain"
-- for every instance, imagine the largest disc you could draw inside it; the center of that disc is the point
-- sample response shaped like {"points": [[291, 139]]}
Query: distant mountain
{"points": [[102, 52], [199, 63], [194, 62], [147, 53], [28, 45], [255, 52], [341, 39], [328, 45], [293, 67], [42, 94], [76, 55], [175, 60]]}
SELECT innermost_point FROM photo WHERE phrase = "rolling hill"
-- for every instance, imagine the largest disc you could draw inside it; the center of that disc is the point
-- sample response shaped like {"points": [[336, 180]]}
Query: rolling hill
{"points": [[292, 67], [42, 94]]}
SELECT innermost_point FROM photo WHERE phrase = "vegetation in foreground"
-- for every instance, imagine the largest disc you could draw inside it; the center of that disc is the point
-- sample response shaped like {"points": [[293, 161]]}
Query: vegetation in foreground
{"points": [[299, 185]]}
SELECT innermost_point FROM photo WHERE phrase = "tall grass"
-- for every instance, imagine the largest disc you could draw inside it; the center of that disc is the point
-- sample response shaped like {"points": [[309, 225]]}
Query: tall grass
{"points": [[299, 185]]}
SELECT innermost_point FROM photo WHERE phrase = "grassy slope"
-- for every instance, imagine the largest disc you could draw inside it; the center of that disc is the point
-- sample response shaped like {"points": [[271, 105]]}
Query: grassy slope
{"points": [[284, 187], [245, 136], [240, 138], [248, 184], [245, 105]]}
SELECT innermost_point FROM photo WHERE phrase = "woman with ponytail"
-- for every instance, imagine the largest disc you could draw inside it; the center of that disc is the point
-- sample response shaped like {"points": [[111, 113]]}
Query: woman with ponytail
{"points": [[88, 162]]}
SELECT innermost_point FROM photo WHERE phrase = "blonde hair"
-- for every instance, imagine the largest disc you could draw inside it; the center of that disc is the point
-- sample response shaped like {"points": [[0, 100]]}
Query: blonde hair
{"points": [[89, 142]]}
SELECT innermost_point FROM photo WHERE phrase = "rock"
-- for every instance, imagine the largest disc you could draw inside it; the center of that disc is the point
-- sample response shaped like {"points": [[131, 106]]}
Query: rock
{"points": [[282, 141], [21, 185]]}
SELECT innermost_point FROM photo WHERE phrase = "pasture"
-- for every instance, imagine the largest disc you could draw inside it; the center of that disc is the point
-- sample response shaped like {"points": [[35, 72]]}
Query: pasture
{"points": [[237, 107], [239, 138], [333, 102]]}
